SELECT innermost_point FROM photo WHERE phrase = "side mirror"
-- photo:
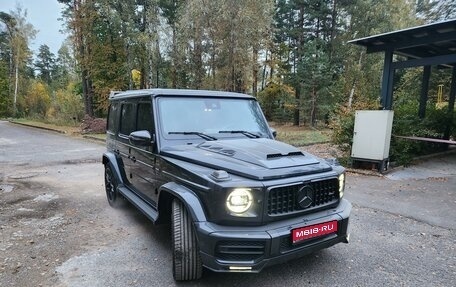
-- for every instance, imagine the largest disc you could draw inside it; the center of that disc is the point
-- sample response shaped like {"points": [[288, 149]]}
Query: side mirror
{"points": [[140, 138], [273, 131]]}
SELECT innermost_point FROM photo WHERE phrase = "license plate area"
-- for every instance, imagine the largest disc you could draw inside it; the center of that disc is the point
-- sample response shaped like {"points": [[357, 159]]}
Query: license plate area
{"points": [[312, 231]]}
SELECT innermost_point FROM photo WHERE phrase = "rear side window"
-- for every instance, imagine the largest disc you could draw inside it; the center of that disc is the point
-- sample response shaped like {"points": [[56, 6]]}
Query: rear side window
{"points": [[112, 116], [145, 117], [127, 118]]}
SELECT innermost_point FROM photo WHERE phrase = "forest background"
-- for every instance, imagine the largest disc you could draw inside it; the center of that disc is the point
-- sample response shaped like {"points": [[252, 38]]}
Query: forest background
{"points": [[292, 55]]}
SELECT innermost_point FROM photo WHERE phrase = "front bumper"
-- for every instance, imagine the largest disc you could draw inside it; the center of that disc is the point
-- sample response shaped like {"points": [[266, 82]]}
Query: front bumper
{"points": [[250, 249]]}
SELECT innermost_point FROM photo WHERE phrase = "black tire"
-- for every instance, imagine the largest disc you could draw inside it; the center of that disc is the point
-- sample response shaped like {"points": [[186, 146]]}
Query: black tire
{"points": [[186, 258], [114, 198]]}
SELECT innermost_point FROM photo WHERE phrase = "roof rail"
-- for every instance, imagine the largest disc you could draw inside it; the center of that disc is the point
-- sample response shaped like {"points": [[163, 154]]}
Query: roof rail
{"points": [[113, 93]]}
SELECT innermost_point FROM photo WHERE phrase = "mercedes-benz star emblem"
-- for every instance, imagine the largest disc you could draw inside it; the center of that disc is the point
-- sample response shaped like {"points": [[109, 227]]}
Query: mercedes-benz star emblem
{"points": [[305, 195]]}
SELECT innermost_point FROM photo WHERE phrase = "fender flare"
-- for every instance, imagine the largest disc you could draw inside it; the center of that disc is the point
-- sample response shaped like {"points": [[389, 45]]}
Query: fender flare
{"points": [[111, 159], [188, 197]]}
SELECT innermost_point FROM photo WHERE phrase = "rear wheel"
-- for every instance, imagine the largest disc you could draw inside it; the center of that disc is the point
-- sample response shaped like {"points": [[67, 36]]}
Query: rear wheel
{"points": [[113, 196], [186, 258]]}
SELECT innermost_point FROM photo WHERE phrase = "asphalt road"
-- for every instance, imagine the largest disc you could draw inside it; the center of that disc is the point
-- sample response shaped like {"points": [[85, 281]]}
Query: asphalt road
{"points": [[57, 228]]}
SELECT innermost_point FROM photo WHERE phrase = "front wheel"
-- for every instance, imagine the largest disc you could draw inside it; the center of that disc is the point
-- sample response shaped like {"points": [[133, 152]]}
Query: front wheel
{"points": [[113, 196], [186, 258]]}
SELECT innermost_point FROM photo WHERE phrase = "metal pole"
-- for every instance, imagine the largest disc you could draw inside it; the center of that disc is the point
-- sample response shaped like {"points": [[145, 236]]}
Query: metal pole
{"points": [[387, 78], [451, 105]]}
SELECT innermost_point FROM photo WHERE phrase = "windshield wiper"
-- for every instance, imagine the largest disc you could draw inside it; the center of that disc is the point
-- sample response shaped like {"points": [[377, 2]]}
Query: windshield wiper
{"points": [[246, 133], [202, 135]]}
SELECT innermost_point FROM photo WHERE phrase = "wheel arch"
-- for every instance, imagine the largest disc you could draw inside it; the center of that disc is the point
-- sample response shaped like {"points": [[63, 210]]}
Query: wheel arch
{"points": [[111, 159], [171, 190]]}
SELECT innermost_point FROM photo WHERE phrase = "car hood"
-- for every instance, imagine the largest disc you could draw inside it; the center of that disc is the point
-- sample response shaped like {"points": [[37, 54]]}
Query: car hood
{"points": [[253, 158]]}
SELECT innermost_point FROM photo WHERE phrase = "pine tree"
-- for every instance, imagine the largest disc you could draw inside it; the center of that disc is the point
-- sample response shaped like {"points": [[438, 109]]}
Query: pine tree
{"points": [[45, 64]]}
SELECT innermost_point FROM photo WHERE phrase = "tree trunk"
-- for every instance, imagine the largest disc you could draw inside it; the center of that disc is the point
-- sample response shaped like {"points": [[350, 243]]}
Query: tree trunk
{"points": [[11, 69], [198, 58], [144, 64], [16, 82], [85, 91], [333, 28], [298, 104], [313, 107], [173, 66], [231, 84], [80, 46], [213, 69], [143, 75], [157, 62], [255, 72], [352, 90], [90, 97], [297, 58]]}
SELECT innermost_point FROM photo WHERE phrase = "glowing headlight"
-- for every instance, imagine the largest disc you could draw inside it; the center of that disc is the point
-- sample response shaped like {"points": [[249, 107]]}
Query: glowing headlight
{"points": [[341, 184], [239, 200]]}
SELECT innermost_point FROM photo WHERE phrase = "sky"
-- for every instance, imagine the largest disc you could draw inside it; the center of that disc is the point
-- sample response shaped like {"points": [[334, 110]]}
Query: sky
{"points": [[43, 15]]}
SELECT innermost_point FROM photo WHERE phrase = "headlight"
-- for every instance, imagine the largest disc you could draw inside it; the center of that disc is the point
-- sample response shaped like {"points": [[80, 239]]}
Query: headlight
{"points": [[341, 184], [239, 200]]}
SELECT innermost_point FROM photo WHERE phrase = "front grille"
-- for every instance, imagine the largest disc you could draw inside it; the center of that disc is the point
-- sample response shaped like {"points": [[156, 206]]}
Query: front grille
{"points": [[285, 199], [239, 250]]}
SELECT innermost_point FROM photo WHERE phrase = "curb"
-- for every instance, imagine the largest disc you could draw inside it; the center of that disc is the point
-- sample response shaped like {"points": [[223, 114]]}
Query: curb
{"points": [[437, 154], [367, 172], [94, 138], [392, 167], [57, 131], [38, 127]]}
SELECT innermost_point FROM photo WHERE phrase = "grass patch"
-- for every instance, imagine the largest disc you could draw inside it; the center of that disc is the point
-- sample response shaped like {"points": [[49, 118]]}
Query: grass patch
{"points": [[300, 136], [296, 136]]}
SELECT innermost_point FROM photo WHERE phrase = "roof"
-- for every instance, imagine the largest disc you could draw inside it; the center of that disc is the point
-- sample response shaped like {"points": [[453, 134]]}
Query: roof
{"points": [[176, 92], [437, 39]]}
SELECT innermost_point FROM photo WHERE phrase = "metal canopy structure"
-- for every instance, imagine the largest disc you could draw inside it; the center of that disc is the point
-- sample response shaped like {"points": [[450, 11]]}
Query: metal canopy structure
{"points": [[428, 45], [426, 41]]}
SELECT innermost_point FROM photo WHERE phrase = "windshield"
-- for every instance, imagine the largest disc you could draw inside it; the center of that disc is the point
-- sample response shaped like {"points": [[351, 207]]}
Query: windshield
{"points": [[216, 116]]}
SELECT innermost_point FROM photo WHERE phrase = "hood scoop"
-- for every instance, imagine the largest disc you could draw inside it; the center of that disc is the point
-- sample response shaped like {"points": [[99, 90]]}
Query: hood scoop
{"points": [[261, 152], [279, 155], [218, 149]]}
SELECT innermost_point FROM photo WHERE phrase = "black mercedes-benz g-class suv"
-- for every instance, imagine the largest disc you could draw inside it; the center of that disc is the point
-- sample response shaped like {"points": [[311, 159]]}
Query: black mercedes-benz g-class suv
{"points": [[207, 163]]}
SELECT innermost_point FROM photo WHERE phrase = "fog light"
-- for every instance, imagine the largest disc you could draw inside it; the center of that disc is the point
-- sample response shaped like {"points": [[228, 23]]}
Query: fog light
{"points": [[347, 238], [239, 200], [341, 184], [240, 268]]}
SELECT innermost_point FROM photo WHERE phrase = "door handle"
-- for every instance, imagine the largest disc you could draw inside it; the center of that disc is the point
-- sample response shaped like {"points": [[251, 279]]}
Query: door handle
{"points": [[133, 158]]}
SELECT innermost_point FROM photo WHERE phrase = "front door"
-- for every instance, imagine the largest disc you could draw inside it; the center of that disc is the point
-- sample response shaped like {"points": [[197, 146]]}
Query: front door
{"points": [[143, 157]]}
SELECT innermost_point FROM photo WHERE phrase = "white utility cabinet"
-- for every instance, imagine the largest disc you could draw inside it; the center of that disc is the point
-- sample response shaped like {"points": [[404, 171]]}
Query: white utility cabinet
{"points": [[372, 135]]}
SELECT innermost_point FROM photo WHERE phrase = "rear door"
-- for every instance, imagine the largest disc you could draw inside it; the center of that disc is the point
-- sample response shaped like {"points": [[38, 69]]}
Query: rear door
{"points": [[126, 126], [112, 126]]}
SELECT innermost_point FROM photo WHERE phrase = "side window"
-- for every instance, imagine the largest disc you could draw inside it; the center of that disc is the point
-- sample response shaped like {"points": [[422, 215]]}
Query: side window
{"points": [[127, 118], [145, 117], [112, 116]]}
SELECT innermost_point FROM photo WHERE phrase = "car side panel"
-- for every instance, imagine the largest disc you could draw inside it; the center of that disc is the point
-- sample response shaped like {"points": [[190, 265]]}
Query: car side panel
{"points": [[144, 174]]}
